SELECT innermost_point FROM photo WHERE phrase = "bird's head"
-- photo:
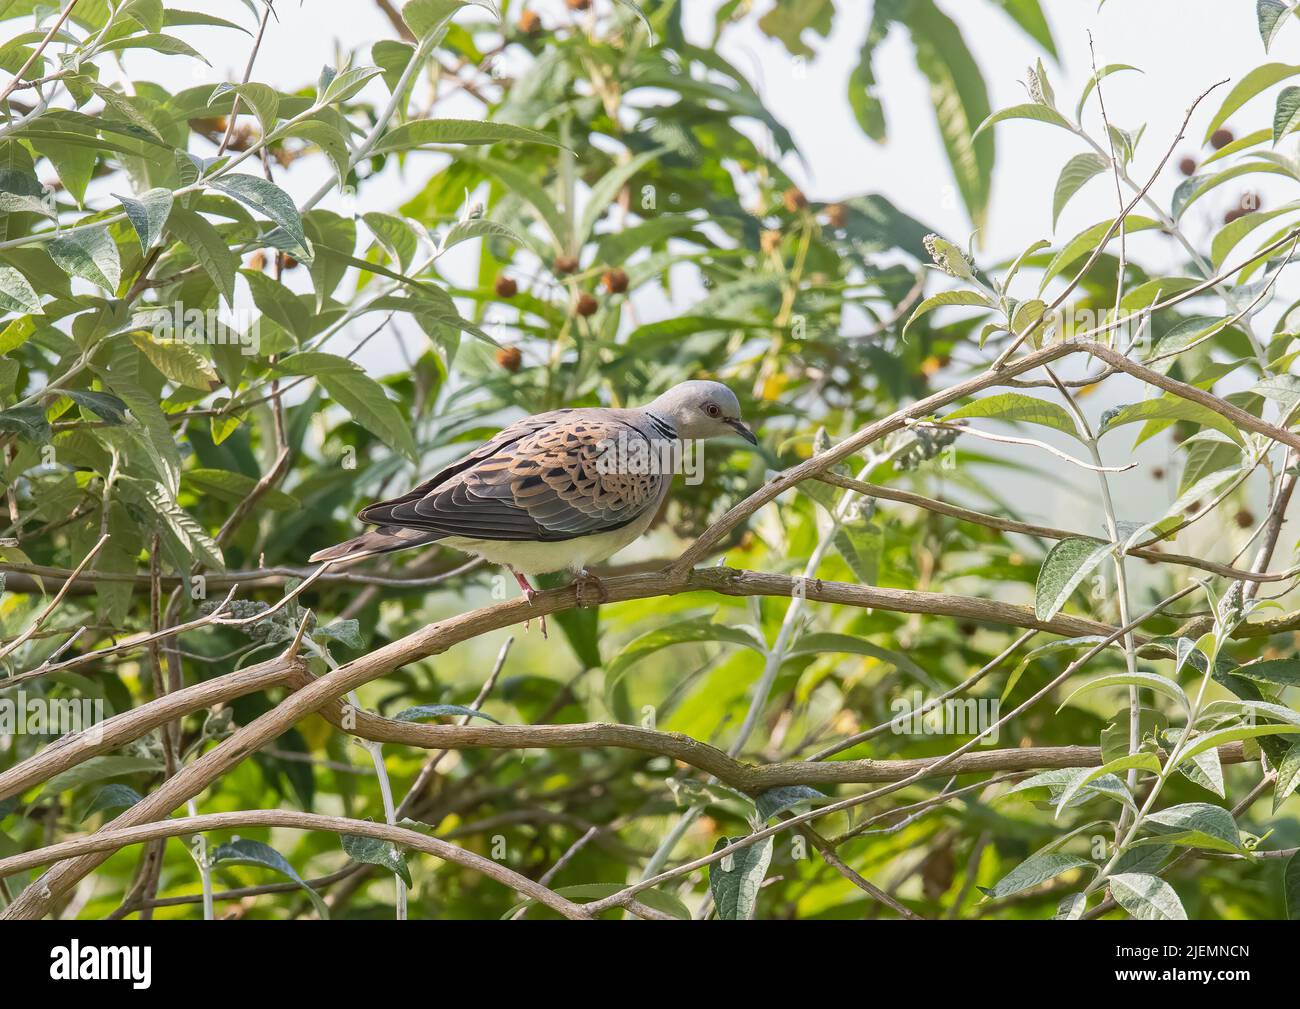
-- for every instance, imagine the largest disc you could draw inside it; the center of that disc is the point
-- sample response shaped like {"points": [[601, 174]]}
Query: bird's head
{"points": [[700, 409]]}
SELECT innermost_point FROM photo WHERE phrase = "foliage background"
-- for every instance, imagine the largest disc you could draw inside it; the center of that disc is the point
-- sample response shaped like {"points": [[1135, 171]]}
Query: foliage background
{"points": [[690, 184]]}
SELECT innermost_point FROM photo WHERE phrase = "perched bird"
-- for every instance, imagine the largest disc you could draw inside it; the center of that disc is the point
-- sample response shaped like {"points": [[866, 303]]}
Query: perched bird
{"points": [[564, 489]]}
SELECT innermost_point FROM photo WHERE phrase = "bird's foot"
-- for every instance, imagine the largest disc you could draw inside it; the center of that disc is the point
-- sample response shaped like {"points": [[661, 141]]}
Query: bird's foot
{"points": [[584, 584], [529, 592]]}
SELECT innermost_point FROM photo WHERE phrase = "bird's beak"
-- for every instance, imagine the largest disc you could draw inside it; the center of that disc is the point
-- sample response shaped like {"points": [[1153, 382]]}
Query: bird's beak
{"points": [[740, 429]]}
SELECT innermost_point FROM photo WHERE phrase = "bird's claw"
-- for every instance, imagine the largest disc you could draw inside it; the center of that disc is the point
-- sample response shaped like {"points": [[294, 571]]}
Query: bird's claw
{"points": [[586, 581]]}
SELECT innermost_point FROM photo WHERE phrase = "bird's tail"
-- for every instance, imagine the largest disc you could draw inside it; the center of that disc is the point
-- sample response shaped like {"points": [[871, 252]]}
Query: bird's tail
{"points": [[379, 541]]}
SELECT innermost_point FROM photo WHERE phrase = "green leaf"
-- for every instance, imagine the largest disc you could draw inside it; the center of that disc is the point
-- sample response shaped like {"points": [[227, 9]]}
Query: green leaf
{"points": [[1288, 777], [823, 643], [168, 45], [423, 711], [943, 299], [1015, 406], [961, 102], [268, 198], [1248, 87], [1280, 672], [1031, 110], [606, 190], [178, 361], [1196, 825], [90, 254], [234, 487], [1078, 171], [1066, 565], [423, 132], [27, 422], [778, 800], [1094, 80], [373, 851], [1032, 871], [148, 214], [22, 193], [348, 83], [330, 141], [1152, 681], [427, 19], [585, 892], [208, 247], [16, 294], [676, 633], [245, 851], [1272, 15], [98, 769], [261, 98], [115, 796], [1146, 897], [395, 235], [860, 544], [1138, 761], [102, 404], [736, 879], [358, 393], [1084, 243], [1170, 407], [1213, 740], [1028, 14], [16, 333]]}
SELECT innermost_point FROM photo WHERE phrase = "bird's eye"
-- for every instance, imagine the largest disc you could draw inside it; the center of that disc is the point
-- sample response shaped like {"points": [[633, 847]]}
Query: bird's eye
{"points": [[712, 409]]}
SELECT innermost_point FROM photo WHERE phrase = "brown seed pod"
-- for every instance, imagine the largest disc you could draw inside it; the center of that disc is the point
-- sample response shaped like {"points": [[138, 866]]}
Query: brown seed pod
{"points": [[578, 5], [1244, 519], [1188, 166], [257, 261], [770, 241], [566, 264], [586, 304], [1158, 473], [615, 281], [1221, 138], [510, 359], [506, 287], [529, 23], [837, 215], [794, 200], [287, 262]]}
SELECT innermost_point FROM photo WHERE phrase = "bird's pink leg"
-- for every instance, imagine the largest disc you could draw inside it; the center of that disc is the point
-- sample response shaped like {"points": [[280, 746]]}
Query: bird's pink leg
{"points": [[528, 592]]}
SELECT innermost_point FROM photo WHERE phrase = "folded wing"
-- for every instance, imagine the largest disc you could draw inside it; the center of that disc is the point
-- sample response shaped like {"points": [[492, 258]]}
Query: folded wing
{"points": [[553, 477]]}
